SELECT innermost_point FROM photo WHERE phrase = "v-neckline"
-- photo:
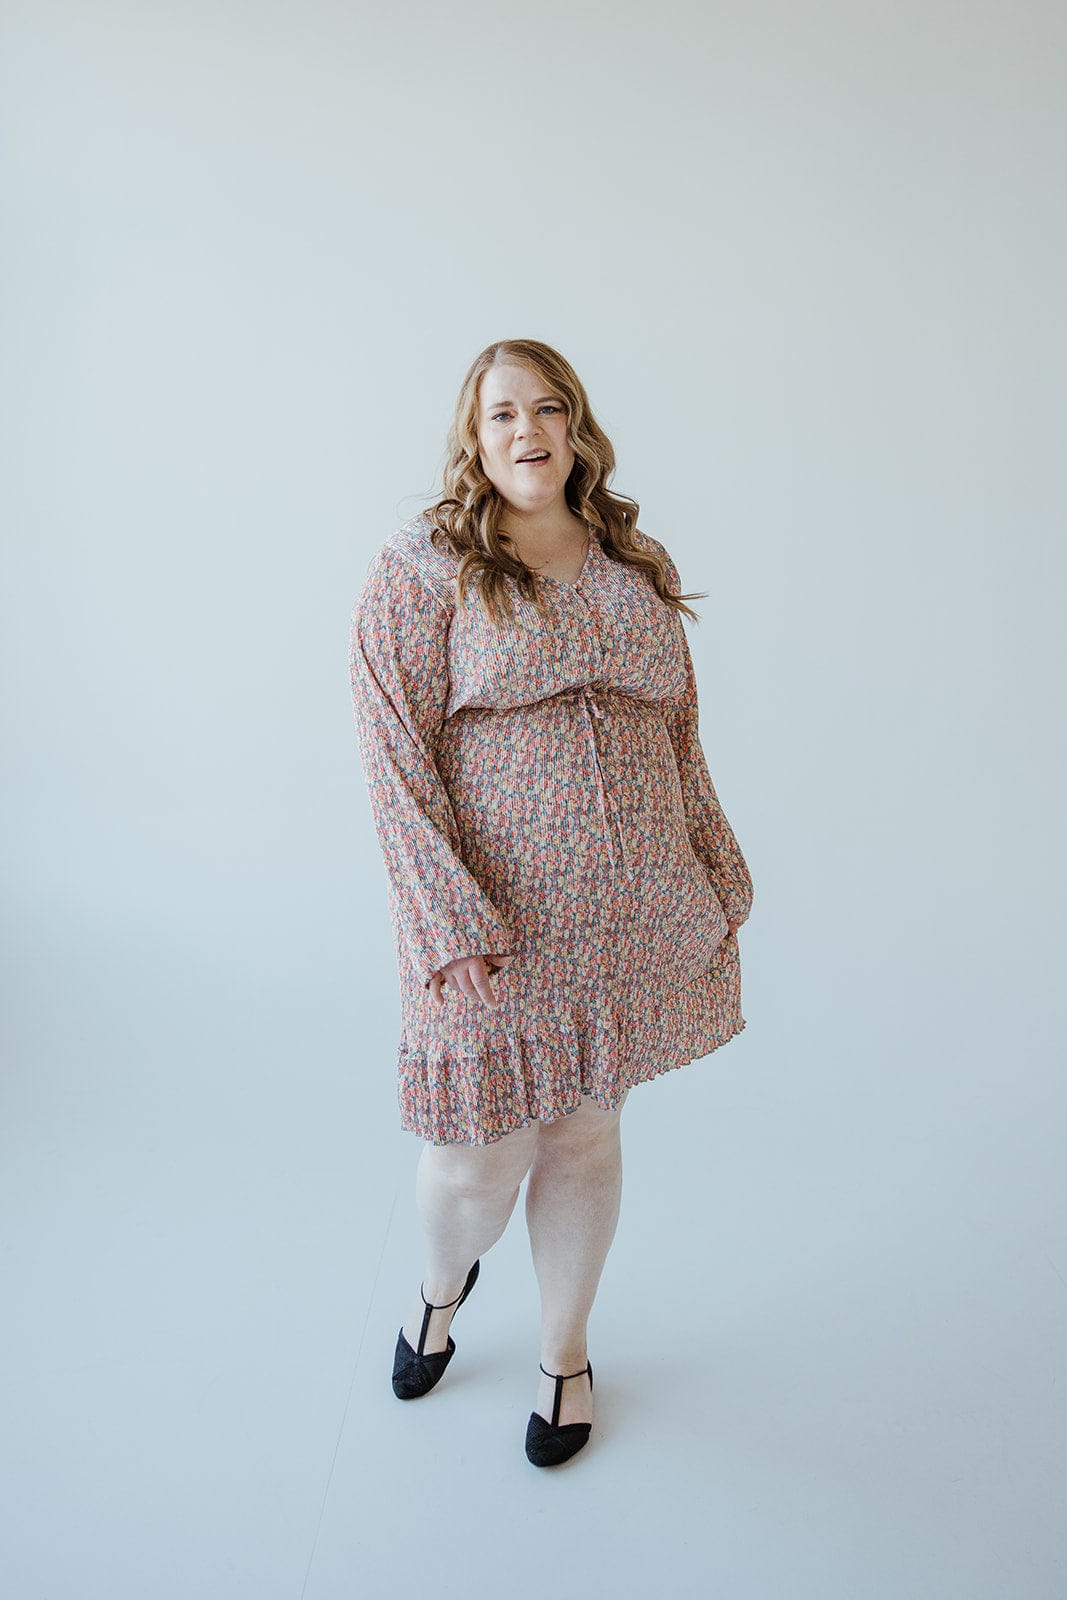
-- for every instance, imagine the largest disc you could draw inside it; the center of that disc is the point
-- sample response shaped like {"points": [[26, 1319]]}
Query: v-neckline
{"points": [[547, 578]]}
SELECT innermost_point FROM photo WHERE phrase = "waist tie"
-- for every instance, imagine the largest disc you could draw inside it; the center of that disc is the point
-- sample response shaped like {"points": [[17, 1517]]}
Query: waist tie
{"points": [[588, 698]]}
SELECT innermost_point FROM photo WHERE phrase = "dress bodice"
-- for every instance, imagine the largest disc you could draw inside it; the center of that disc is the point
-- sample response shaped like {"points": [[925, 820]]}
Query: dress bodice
{"points": [[609, 631]]}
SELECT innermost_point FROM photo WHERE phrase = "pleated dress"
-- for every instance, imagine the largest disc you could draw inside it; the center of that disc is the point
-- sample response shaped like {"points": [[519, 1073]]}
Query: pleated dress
{"points": [[541, 790]]}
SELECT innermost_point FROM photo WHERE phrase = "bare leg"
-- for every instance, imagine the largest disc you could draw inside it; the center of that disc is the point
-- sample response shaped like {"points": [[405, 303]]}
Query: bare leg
{"points": [[572, 1208], [465, 1195]]}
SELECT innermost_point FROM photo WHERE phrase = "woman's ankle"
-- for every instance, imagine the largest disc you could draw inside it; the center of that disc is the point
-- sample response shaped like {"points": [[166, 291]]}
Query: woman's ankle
{"points": [[566, 1357]]}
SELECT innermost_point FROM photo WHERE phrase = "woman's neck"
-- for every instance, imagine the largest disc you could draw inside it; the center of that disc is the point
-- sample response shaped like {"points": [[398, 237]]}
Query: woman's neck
{"points": [[543, 530]]}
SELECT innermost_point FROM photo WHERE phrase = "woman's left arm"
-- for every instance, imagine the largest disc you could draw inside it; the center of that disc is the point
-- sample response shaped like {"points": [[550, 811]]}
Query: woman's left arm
{"points": [[711, 834]]}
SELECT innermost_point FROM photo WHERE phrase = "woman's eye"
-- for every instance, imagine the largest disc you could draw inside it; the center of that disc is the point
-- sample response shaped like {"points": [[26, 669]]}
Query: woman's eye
{"points": [[498, 414]]}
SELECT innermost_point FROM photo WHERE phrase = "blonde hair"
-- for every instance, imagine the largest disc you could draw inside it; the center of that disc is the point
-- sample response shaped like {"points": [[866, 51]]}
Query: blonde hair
{"points": [[467, 517]]}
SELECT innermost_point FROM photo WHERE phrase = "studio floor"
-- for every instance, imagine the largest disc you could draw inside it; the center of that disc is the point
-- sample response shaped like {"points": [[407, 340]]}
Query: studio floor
{"points": [[820, 1375]]}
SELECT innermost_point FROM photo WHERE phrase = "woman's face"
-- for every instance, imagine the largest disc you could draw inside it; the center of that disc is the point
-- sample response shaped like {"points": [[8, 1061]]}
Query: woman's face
{"points": [[518, 416]]}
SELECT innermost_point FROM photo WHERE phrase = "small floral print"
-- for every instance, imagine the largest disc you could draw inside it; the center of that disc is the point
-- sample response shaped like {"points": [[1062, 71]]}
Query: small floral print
{"points": [[541, 790]]}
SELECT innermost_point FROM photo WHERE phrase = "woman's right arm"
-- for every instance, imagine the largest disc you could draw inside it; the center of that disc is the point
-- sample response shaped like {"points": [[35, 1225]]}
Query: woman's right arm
{"points": [[398, 655]]}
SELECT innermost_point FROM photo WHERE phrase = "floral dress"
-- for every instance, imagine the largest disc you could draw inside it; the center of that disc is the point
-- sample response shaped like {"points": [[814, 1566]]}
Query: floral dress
{"points": [[542, 790]]}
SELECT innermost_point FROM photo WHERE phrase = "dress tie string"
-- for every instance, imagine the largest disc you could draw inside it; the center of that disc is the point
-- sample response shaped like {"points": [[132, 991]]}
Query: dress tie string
{"points": [[588, 698]]}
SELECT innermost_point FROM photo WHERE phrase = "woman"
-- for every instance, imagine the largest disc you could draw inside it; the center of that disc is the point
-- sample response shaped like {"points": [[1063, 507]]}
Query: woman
{"points": [[564, 887]]}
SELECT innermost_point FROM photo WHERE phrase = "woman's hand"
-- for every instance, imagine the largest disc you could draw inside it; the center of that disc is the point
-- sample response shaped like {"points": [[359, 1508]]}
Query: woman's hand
{"points": [[468, 975]]}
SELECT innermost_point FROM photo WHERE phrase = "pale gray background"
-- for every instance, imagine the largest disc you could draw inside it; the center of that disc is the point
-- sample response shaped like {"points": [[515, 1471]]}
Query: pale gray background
{"points": [[808, 259]]}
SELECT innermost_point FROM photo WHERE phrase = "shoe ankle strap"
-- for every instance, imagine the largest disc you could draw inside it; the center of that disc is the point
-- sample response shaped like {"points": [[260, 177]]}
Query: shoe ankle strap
{"points": [[447, 1303], [563, 1376]]}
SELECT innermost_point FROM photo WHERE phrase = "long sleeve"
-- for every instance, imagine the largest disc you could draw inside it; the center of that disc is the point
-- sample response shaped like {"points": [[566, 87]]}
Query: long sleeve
{"points": [[398, 655], [709, 831]]}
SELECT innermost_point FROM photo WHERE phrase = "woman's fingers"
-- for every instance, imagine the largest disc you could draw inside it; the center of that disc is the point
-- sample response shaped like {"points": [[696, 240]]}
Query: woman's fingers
{"points": [[481, 973], [470, 976], [473, 980]]}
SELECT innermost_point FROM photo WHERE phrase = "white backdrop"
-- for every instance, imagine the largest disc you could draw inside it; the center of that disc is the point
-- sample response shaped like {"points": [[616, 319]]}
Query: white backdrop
{"points": [[808, 260]]}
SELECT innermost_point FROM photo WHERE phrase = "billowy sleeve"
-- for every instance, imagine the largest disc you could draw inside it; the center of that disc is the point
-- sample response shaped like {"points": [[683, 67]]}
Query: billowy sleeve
{"points": [[398, 654], [710, 833]]}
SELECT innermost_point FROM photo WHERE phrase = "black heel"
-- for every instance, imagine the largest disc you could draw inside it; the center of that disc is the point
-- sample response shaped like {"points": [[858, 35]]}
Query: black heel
{"points": [[414, 1373], [547, 1444]]}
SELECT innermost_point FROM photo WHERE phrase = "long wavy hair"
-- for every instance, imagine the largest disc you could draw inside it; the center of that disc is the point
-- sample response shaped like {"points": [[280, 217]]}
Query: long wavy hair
{"points": [[466, 518]]}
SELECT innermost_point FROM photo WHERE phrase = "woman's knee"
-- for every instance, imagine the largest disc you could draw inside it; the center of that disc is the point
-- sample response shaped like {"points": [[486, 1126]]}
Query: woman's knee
{"points": [[590, 1127], [481, 1171]]}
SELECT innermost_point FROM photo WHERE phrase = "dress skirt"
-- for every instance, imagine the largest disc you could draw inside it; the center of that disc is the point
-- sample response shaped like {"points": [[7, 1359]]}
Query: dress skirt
{"points": [[624, 966]]}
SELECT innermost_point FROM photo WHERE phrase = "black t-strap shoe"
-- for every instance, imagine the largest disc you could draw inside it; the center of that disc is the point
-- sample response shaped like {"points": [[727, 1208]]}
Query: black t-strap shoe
{"points": [[547, 1444], [415, 1373]]}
